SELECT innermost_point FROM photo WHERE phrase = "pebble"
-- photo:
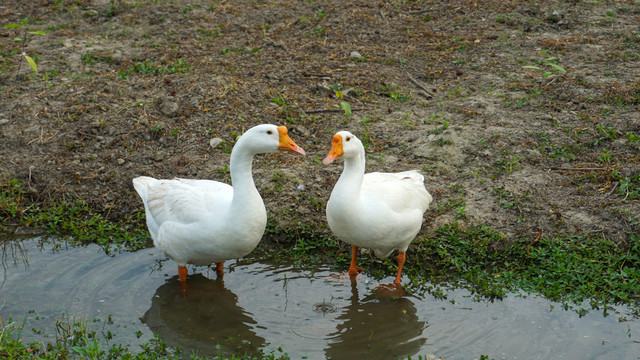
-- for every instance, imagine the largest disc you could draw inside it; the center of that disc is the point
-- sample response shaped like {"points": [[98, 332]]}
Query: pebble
{"points": [[355, 54], [215, 142], [169, 107], [4, 121]]}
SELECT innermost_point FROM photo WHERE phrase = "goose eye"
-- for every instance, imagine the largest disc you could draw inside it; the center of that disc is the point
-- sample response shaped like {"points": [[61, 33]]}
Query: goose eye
{"points": [[348, 138], [269, 132]]}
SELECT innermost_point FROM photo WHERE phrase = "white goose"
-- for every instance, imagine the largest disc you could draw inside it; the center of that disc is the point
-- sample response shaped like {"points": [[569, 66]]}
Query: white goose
{"points": [[202, 221], [380, 211]]}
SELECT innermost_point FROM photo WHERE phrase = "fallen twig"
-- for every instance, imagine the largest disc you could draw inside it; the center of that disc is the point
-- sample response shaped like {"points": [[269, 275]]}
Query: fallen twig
{"points": [[537, 238], [415, 82], [418, 12], [316, 75], [577, 169], [315, 111]]}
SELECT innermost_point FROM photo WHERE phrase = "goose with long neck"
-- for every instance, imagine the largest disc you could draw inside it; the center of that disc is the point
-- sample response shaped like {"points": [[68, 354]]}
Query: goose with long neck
{"points": [[203, 222], [380, 211]]}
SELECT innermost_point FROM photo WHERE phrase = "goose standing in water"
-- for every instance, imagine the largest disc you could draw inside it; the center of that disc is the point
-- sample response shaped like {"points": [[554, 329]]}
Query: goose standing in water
{"points": [[380, 211], [202, 222]]}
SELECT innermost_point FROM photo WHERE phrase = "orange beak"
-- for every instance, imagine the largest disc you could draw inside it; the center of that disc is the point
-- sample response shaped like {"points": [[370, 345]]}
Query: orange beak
{"points": [[286, 144], [336, 150]]}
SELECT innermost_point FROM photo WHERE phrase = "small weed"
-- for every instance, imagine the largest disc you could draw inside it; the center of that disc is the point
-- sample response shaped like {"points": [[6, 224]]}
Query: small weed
{"points": [[605, 157], [346, 107], [320, 32], [629, 186], [189, 8], [508, 200], [215, 33], [461, 211], [281, 101], [443, 142], [393, 92], [89, 58], [225, 172], [147, 67], [457, 92], [319, 15], [24, 39], [548, 66], [553, 151], [439, 130], [606, 133], [507, 164], [90, 351], [278, 177], [633, 139]]}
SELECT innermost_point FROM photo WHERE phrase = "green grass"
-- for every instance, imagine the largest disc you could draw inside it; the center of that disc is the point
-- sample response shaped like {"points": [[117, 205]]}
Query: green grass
{"points": [[74, 220], [74, 340], [571, 270], [575, 271], [148, 67]]}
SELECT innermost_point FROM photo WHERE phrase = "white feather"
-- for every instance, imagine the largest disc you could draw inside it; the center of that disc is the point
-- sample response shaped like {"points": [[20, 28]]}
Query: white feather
{"points": [[380, 211], [202, 221]]}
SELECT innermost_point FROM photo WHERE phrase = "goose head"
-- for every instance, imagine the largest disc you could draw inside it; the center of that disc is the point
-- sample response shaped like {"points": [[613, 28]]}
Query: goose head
{"points": [[267, 138], [344, 144]]}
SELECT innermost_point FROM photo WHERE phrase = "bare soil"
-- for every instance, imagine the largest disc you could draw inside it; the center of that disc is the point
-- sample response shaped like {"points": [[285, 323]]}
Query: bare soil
{"points": [[141, 87]]}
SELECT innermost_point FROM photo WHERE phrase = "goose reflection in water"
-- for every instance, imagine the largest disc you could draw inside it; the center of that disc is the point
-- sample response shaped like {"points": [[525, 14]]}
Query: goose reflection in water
{"points": [[378, 326], [202, 317]]}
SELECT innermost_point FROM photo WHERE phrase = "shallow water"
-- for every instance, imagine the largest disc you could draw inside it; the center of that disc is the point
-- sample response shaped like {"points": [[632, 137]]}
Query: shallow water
{"points": [[307, 312]]}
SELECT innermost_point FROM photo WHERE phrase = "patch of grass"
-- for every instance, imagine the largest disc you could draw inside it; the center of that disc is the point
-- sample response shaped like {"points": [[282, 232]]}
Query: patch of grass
{"points": [[455, 200], [633, 139], [629, 186], [395, 94], [507, 199], [90, 58], [71, 219], [278, 178], [74, 339], [281, 101], [215, 33], [553, 151], [302, 244], [147, 67], [507, 164], [439, 130], [574, 270], [547, 67]]}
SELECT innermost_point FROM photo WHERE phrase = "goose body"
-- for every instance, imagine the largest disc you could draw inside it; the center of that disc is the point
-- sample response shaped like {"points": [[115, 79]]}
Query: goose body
{"points": [[202, 221], [380, 211]]}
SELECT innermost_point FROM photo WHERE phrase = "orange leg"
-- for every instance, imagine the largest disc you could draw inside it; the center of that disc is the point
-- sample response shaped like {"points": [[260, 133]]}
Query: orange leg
{"points": [[401, 258], [353, 268], [182, 273], [219, 269]]}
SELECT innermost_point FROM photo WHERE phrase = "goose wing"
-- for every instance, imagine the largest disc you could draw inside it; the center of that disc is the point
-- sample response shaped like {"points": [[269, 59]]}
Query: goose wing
{"points": [[186, 201], [401, 192]]}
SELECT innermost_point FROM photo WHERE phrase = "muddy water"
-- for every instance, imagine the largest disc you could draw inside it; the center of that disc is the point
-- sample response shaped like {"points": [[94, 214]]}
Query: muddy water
{"points": [[308, 312]]}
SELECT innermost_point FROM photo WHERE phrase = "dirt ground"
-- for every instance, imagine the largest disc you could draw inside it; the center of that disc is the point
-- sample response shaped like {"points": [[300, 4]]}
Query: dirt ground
{"points": [[522, 115]]}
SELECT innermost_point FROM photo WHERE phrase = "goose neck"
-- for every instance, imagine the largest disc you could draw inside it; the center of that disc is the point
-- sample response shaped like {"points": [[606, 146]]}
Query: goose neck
{"points": [[352, 175], [240, 168]]}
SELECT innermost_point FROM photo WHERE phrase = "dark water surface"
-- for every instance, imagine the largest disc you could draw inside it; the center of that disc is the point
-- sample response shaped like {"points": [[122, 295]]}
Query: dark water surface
{"points": [[308, 312]]}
